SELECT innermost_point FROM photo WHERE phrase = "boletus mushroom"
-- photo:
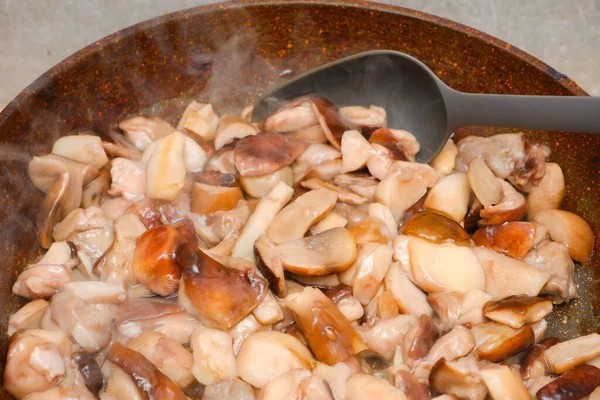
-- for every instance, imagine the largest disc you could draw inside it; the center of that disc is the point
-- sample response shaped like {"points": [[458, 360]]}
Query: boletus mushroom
{"points": [[516, 311], [166, 168], [232, 127], [329, 334], [86, 149], [401, 144], [367, 119], [199, 120], [513, 239], [356, 151], [512, 207], [563, 356], [219, 295], [576, 383], [142, 131], [364, 386], [435, 227], [503, 382], [495, 342], [460, 378], [266, 153], [450, 196], [549, 192], [207, 199]]}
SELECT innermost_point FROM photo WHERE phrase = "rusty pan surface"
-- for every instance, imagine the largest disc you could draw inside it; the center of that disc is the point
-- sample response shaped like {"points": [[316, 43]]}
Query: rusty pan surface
{"points": [[229, 54]]}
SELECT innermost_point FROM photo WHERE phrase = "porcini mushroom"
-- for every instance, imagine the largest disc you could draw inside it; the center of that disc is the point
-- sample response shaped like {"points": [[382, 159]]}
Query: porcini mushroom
{"points": [[356, 151], [367, 119], [265, 153], [495, 342], [409, 298], [516, 311], [450, 196], [343, 195], [207, 199], [503, 382], [142, 131], [436, 228], [230, 128], [332, 122], [549, 192], [486, 187], [513, 239], [364, 386], [260, 186], [166, 168], [199, 120], [291, 117], [370, 273], [512, 207], [444, 162], [568, 354], [213, 357], [86, 149], [402, 144]]}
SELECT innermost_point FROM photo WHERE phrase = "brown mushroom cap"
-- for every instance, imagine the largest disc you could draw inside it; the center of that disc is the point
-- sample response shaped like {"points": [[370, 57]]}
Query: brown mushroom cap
{"points": [[269, 264], [457, 379], [329, 334], [232, 127], [219, 295], [266, 153], [207, 199], [534, 364], [401, 144], [574, 384], [436, 228], [516, 311], [333, 123], [292, 116], [512, 207], [150, 381], [513, 239], [495, 342]]}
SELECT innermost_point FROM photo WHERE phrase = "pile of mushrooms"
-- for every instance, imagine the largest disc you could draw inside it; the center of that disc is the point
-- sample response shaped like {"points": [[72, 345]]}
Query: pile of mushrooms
{"points": [[307, 256]]}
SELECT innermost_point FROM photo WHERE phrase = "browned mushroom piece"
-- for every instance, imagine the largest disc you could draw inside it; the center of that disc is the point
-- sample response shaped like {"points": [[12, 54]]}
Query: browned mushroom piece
{"points": [[513, 239], [344, 195], [516, 311], [496, 342], [199, 120], [412, 387], [371, 230], [554, 258], [89, 370], [382, 336], [329, 334], [402, 144], [367, 119], [292, 116], [154, 260], [436, 228], [534, 364], [450, 196], [549, 192], [214, 178], [266, 153], [568, 354], [154, 314], [332, 122], [96, 189], [220, 296], [231, 388], [269, 264], [326, 253], [142, 131], [503, 382], [512, 207], [207, 199], [500, 152], [260, 186], [471, 221], [506, 276], [576, 383], [460, 378], [356, 151], [294, 220], [530, 170], [150, 381], [222, 161], [232, 127], [569, 229], [420, 339]]}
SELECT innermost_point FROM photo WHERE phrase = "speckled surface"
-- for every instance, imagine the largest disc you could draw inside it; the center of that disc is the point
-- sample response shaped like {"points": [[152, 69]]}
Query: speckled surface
{"points": [[230, 54]]}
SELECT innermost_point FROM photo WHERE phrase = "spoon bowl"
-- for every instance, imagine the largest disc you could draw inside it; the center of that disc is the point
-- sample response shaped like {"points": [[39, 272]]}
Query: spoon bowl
{"points": [[416, 100]]}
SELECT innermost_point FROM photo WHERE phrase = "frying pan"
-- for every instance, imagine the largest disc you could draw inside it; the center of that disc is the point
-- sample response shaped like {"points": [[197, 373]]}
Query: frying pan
{"points": [[229, 54]]}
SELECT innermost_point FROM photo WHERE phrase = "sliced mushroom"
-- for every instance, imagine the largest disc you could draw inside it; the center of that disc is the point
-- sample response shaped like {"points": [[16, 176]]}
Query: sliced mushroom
{"points": [[356, 151], [512, 207], [27, 317], [279, 353], [386, 305], [41, 281], [213, 357], [119, 384], [507, 276], [402, 144], [534, 364], [563, 356], [343, 195], [295, 219], [455, 344], [364, 386], [142, 131], [265, 153], [436, 228], [337, 375], [413, 387], [420, 339], [383, 336], [370, 273], [513, 239], [284, 386], [121, 148], [291, 117], [500, 152], [222, 161], [166, 168], [214, 178], [194, 155], [96, 189], [486, 187], [409, 298], [371, 230], [128, 179], [268, 311], [311, 134], [93, 292], [450, 196], [231, 388], [516, 311], [220, 296], [569, 229], [460, 378], [549, 192], [331, 220], [495, 342], [169, 356], [230, 128], [530, 170], [260, 186], [315, 154], [380, 211], [471, 221], [325, 171], [319, 281], [445, 267], [329, 334], [576, 383], [503, 382], [368, 119], [259, 221], [380, 161], [207, 199], [86, 149], [332, 122], [269, 264], [444, 162], [150, 381], [322, 254], [200, 120], [154, 259], [554, 258]]}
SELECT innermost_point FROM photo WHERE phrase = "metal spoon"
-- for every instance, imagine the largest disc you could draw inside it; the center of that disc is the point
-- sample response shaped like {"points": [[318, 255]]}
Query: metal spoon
{"points": [[416, 100]]}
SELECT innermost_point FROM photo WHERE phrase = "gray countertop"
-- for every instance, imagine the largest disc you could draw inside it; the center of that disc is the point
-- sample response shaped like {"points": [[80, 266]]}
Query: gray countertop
{"points": [[35, 35]]}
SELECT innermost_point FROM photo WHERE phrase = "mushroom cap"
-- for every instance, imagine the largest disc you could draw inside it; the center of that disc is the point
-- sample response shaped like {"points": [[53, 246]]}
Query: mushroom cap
{"points": [[266, 153]]}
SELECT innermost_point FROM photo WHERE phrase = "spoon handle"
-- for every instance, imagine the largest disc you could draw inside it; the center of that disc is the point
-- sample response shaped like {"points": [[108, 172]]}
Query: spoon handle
{"points": [[553, 113]]}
